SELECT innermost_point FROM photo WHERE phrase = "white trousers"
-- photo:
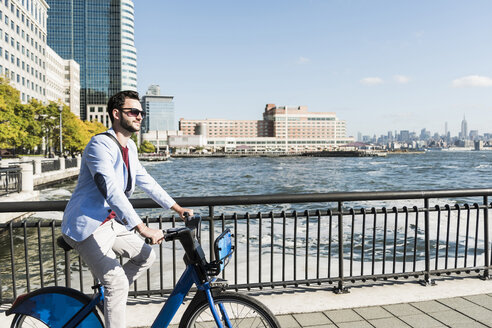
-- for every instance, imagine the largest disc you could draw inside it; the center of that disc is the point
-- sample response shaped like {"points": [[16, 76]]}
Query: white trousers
{"points": [[100, 252]]}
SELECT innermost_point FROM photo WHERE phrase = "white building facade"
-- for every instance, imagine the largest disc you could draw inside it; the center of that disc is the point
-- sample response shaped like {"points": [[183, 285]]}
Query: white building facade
{"points": [[62, 81], [28, 63], [23, 46]]}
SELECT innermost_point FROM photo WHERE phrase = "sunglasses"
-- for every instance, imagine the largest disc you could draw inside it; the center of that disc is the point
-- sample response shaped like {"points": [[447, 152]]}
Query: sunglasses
{"points": [[132, 112]]}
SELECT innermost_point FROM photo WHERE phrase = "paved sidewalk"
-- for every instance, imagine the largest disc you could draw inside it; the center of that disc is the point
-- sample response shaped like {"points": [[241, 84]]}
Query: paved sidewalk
{"points": [[468, 311], [454, 302]]}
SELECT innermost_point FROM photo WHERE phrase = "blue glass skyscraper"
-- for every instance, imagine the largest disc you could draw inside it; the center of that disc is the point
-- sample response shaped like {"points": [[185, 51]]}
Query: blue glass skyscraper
{"points": [[160, 113], [99, 35]]}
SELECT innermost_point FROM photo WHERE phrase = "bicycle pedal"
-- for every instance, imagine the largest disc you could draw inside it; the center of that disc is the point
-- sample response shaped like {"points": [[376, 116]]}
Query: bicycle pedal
{"points": [[219, 283]]}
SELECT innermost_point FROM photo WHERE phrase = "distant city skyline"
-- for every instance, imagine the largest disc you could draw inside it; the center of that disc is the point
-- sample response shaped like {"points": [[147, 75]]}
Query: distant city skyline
{"points": [[380, 65]]}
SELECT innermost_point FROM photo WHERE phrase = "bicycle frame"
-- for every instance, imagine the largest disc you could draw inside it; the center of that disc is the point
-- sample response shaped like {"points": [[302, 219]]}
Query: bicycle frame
{"points": [[185, 282]]}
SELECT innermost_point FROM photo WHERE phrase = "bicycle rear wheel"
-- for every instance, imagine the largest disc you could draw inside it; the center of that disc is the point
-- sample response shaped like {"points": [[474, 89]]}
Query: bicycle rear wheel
{"points": [[25, 321], [242, 311], [53, 307]]}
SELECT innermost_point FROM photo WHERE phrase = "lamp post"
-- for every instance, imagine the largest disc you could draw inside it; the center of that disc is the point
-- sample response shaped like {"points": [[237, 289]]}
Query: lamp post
{"points": [[60, 109]]}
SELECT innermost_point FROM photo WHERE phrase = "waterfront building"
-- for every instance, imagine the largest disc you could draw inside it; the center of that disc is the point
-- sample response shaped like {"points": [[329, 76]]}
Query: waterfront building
{"points": [[99, 35], [160, 139], [62, 80], [159, 111], [23, 34], [283, 129]]}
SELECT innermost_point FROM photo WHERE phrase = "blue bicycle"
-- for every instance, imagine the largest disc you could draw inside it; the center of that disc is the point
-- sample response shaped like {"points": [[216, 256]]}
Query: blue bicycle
{"points": [[211, 306]]}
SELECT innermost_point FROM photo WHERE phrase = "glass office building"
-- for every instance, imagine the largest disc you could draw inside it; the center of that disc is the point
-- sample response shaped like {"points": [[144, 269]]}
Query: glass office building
{"points": [[99, 35], [160, 113]]}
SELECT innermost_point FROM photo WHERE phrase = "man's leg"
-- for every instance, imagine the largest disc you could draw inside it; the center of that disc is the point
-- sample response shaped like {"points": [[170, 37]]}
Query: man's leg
{"points": [[130, 245], [97, 252]]}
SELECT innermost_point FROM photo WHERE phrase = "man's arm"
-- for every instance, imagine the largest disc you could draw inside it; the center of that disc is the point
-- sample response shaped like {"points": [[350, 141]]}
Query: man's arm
{"points": [[156, 234]]}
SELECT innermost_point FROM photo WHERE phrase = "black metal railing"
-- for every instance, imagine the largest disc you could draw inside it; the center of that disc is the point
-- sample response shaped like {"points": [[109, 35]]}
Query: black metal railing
{"points": [[50, 165], [332, 238], [10, 180], [70, 162]]}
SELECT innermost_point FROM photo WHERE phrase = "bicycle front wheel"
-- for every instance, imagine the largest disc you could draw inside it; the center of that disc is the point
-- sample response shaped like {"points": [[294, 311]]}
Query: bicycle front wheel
{"points": [[25, 321], [240, 310]]}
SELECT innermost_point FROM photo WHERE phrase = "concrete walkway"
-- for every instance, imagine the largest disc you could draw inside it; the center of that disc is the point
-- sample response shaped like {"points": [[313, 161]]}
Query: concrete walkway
{"points": [[469, 311], [453, 302]]}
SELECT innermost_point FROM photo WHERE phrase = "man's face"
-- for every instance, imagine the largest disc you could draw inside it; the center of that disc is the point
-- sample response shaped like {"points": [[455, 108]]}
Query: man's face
{"points": [[128, 121]]}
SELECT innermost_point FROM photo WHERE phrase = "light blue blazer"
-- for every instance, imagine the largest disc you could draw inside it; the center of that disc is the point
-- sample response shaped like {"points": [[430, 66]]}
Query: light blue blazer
{"points": [[102, 185]]}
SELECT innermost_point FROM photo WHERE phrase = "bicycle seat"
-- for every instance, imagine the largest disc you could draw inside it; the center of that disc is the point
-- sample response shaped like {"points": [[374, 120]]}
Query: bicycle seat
{"points": [[60, 241]]}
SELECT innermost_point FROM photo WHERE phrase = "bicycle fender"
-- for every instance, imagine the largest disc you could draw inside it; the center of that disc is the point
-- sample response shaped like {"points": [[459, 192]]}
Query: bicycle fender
{"points": [[54, 306]]}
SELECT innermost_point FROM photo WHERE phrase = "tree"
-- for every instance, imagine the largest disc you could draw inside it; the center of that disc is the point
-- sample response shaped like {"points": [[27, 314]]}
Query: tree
{"points": [[27, 114], [25, 125], [147, 147], [10, 124], [75, 133]]}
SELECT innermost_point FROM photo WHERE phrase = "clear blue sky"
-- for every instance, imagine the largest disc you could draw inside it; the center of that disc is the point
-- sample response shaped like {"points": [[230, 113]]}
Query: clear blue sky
{"points": [[380, 65]]}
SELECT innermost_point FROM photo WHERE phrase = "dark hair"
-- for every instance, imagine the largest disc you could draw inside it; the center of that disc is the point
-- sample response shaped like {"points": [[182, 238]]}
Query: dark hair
{"points": [[118, 100]]}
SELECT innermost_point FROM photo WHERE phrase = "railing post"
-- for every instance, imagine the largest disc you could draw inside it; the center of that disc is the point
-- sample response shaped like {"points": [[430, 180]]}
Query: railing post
{"points": [[79, 160], [68, 273], [341, 289], [37, 166], [486, 241], [61, 160], [211, 232], [27, 177], [427, 279]]}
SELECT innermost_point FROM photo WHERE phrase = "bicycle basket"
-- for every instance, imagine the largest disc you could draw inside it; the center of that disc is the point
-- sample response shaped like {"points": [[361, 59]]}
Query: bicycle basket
{"points": [[223, 250]]}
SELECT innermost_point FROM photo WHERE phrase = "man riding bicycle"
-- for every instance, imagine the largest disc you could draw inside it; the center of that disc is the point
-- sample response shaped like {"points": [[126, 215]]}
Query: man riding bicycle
{"points": [[99, 219]]}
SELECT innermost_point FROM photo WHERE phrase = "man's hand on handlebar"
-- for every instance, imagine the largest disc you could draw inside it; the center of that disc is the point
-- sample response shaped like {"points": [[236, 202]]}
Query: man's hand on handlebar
{"points": [[182, 212], [156, 235]]}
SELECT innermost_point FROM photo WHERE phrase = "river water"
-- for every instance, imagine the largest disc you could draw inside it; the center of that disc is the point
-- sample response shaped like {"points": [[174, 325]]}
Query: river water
{"points": [[194, 177]]}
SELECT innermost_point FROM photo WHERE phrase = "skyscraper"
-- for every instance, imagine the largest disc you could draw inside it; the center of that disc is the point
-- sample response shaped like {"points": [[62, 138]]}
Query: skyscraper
{"points": [[99, 35], [464, 128]]}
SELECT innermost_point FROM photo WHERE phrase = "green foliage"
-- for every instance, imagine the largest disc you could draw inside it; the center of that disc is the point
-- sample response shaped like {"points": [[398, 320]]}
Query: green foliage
{"points": [[134, 137], [147, 147], [23, 126]]}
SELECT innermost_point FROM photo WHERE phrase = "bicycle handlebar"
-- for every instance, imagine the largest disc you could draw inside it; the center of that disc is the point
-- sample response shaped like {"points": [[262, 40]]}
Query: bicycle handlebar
{"points": [[192, 224]]}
